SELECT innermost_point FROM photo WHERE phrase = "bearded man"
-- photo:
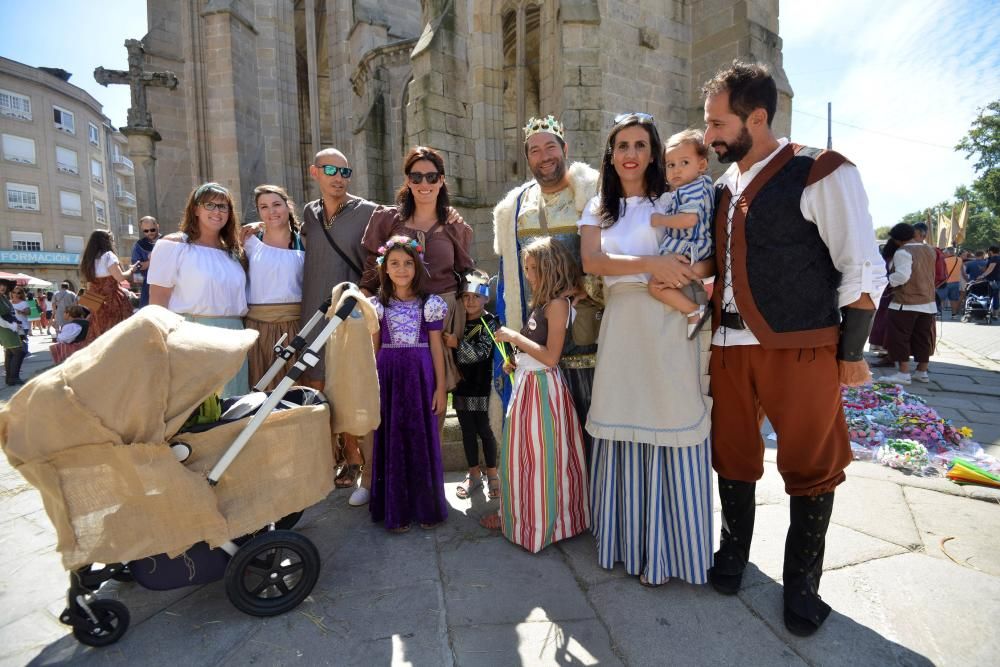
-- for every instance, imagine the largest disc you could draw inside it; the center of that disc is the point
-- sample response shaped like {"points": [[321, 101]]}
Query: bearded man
{"points": [[549, 205]]}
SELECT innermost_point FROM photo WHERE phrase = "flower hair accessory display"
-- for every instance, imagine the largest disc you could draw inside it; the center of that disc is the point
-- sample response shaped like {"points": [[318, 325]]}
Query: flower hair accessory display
{"points": [[398, 242], [548, 124]]}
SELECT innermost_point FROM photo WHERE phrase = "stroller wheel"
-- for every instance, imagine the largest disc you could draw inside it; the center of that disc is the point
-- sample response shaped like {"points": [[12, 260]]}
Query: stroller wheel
{"points": [[112, 622], [273, 573]]}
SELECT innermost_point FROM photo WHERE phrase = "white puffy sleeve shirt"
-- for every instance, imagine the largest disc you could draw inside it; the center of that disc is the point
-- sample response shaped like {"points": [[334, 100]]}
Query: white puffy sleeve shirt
{"points": [[275, 273], [631, 235], [206, 282], [103, 264]]}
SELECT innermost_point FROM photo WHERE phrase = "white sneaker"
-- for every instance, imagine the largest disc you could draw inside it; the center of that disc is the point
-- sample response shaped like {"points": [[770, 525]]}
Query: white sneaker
{"points": [[359, 497], [898, 377], [921, 376]]}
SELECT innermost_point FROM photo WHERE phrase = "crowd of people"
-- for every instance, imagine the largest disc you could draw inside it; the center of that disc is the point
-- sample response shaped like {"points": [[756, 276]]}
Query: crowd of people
{"points": [[584, 355]]}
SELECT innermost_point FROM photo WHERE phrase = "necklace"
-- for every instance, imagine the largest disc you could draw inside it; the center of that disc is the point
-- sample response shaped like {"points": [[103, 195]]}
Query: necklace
{"points": [[327, 224]]}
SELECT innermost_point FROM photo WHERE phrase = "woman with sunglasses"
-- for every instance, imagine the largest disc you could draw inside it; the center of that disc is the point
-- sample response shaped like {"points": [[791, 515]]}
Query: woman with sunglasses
{"points": [[422, 212], [200, 272], [275, 257], [651, 476], [103, 277]]}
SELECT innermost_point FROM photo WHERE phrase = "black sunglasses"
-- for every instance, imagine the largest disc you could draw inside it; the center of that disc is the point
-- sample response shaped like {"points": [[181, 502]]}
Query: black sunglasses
{"points": [[417, 177], [332, 169], [149, 231], [637, 114]]}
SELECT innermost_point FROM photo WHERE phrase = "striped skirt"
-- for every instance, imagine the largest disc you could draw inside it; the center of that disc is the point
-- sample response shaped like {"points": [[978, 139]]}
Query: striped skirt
{"points": [[652, 509], [543, 488]]}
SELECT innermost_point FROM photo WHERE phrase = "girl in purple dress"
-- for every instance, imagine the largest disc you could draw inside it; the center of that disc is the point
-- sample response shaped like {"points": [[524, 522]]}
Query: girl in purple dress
{"points": [[408, 479]]}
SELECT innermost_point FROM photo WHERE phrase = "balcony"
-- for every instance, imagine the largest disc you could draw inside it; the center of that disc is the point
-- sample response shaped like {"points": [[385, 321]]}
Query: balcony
{"points": [[125, 198], [65, 168], [123, 165]]}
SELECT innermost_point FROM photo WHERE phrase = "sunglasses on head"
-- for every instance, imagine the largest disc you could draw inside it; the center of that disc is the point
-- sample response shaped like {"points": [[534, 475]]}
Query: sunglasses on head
{"points": [[332, 169], [637, 114], [417, 177]]}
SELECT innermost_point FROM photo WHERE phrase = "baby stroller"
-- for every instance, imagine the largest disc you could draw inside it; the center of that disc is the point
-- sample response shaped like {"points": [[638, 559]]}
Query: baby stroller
{"points": [[977, 302], [128, 482]]}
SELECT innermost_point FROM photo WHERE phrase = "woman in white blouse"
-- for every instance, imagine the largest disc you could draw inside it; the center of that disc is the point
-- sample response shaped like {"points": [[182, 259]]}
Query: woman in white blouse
{"points": [[103, 276], [199, 272], [276, 257], [651, 475]]}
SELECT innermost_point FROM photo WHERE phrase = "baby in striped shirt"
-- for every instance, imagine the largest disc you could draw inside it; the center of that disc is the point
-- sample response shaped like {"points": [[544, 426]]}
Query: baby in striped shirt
{"points": [[685, 210]]}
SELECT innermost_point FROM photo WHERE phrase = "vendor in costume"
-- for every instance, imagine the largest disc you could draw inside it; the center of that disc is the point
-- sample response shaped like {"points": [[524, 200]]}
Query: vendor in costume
{"points": [[199, 272], [276, 257], [549, 205], [800, 276], [14, 348]]}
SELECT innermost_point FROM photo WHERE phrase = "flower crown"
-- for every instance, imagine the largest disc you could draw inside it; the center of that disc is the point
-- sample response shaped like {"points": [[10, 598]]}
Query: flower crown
{"points": [[548, 124], [398, 242]]}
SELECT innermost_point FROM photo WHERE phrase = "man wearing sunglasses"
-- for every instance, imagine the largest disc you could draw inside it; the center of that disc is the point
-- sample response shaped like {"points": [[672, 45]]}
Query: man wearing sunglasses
{"points": [[150, 230], [333, 226], [548, 205]]}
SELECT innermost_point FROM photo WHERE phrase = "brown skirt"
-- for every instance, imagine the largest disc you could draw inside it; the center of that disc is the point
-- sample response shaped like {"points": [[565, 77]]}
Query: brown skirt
{"points": [[116, 307], [270, 321]]}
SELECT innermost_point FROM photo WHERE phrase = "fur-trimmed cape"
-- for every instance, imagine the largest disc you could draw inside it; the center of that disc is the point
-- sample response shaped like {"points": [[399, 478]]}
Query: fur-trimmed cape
{"points": [[582, 180]]}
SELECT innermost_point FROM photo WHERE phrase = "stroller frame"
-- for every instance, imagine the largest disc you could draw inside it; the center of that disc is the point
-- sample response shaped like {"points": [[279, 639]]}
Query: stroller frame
{"points": [[977, 304], [102, 622]]}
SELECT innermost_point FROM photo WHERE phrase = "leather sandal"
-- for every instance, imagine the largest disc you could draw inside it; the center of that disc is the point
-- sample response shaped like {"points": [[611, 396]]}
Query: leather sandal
{"points": [[467, 486], [493, 483], [491, 521], [348, 476]]}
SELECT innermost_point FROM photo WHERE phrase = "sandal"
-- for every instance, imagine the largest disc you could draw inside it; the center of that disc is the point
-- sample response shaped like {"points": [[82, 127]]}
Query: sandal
{"points": [[399, 530], [694, 327], [493, 483], [466, 487], [348, 476], [645, 582], [491, 521]]}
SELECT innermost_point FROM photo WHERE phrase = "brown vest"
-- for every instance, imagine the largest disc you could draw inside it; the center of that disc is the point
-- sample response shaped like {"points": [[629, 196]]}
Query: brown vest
{"points": [[919, 289]]}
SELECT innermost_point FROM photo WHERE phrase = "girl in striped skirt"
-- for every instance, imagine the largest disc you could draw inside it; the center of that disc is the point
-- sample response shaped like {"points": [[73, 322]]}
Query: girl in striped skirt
{"points": [[543, 490]]}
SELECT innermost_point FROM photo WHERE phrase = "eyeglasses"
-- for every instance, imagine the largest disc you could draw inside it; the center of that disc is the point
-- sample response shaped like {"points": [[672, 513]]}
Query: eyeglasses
{"points": [[637, 114], [153, 231], [213, 206], [417, 177], [332, 169]]}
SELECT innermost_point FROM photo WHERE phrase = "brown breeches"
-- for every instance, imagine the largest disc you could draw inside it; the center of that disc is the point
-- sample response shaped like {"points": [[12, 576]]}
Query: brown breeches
{"points": [[799, 392], [909, 333]]}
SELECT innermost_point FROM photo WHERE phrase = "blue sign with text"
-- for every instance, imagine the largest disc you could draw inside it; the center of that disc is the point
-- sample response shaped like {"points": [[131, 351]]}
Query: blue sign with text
{"points": [[38, 257]]}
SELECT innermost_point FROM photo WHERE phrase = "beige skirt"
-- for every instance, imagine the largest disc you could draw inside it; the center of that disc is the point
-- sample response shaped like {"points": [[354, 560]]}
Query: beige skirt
{"points": [[271, 321], [648, 380]]}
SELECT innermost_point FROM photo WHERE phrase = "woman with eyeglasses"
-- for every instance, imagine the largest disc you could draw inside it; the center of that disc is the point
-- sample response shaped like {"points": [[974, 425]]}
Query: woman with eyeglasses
{"points": [[200, 272], [651, 476], [103, 277], [422, 212], [276, 256]]}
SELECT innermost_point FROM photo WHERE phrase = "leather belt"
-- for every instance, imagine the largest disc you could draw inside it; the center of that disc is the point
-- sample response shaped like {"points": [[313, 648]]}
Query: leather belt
{"points": [[732, 320]]}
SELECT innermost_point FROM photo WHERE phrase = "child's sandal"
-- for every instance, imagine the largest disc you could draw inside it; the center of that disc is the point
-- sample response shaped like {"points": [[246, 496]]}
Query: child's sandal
{"points": [[466, 487], [493, 484], [694, 327]]}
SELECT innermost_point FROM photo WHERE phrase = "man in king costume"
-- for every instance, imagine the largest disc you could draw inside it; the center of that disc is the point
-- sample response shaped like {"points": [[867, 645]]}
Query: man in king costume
{"points": [[549, 205]]}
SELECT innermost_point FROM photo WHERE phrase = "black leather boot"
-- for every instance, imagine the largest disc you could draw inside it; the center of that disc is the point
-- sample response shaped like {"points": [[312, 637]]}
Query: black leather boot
{"points": [[805, 544], [8, 365], [731, 559]]}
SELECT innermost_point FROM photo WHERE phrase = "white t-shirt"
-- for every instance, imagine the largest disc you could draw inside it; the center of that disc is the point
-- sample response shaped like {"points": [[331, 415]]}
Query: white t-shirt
{"points": [[275, 273], [631, 235], [206, 281], [102, 265]]}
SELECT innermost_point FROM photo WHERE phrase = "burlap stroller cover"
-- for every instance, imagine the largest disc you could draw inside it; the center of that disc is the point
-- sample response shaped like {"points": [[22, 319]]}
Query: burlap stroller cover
{"points": [[100, 457]]}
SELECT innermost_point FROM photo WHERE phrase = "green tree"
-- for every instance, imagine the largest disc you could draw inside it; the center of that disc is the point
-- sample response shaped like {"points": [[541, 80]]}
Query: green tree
{"points": [[982, 144], [983, 140], [983, 226], [882, 233]]}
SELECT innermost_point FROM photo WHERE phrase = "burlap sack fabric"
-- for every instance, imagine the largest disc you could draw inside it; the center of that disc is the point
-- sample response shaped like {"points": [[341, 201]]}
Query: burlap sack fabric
{"points": [[351, 380], [111, 485]]}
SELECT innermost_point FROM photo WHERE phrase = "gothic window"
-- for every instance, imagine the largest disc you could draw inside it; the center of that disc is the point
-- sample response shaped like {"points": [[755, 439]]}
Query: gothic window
{"points": [[521, 59]]}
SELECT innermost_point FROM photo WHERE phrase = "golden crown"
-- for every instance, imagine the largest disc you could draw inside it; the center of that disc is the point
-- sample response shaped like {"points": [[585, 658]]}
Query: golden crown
{"points": [[548, 124]]}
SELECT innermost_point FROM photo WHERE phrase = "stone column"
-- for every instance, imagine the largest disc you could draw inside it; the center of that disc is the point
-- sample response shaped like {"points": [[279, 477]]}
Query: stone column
{"points": [[142, 149]]}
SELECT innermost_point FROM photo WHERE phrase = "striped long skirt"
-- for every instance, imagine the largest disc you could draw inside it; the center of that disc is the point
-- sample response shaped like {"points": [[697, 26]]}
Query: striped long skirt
{"points": [[543, 487], [652, 509]]}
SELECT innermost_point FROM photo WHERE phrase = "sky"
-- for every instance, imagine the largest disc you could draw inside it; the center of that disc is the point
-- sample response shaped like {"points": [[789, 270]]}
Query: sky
{"points": [[905, 78]]}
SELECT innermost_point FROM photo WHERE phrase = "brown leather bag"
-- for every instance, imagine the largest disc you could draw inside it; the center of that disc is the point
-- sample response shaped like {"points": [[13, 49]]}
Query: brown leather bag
{"points": [[92, 301]]}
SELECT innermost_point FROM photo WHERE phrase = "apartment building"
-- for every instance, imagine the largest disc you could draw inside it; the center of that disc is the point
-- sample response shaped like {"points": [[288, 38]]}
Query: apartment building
{"points": [[64, 173]]}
